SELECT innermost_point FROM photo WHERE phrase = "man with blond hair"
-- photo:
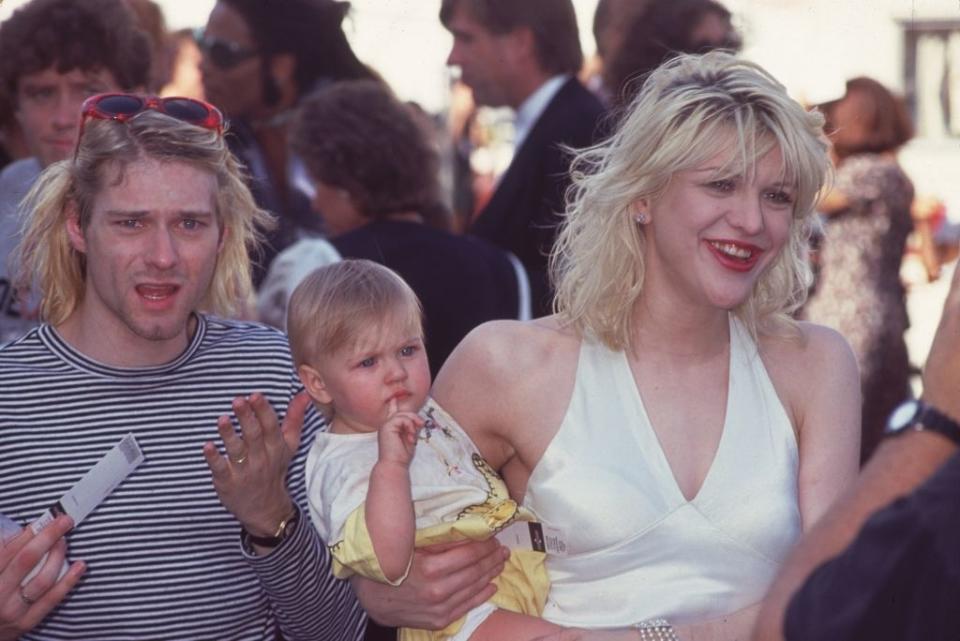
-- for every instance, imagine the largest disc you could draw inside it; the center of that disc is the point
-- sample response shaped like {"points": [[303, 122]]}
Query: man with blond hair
{"points": [[139, 247]]}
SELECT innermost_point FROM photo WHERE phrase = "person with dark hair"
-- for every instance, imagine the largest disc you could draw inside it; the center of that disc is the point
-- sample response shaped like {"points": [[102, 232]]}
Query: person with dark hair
{"points": [[525, 55], [611, 19], [259, 60], [374, 170], [150, 19], [53, 55], [666, 29], [867, 220]]}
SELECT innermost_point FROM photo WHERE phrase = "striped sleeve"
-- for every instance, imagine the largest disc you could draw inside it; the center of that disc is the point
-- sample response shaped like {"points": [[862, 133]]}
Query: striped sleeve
{"points": [[310, 604]]}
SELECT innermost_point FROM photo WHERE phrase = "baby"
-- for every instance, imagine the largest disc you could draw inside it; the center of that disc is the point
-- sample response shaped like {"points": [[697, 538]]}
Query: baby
{"points": [[394, 471]]}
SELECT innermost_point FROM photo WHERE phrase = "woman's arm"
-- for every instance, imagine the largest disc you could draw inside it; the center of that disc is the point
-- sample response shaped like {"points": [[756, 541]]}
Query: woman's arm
{"points": [[926, 212], [833, 202], [828, 417], [477, 365], [507, 385]]}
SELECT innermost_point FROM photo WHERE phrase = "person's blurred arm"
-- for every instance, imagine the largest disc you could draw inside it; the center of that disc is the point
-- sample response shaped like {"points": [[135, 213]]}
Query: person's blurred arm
{"points": [[899, 465], [833, 202], [897, 581], [926, 212]]}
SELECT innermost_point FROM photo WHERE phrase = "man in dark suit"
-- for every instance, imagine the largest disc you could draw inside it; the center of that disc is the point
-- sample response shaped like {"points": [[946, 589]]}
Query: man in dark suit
{"points": [[525, 55]]}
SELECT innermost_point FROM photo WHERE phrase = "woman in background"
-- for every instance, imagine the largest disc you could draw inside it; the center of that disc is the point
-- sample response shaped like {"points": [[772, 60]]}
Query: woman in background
{"points": [[665, 29], [260, 59], [867, 221], [374, 170]]}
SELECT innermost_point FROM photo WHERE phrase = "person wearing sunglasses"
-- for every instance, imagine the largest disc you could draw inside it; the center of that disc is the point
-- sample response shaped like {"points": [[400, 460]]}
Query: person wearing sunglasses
{"points": [[53, 55], [138, 244], [259, 60]]}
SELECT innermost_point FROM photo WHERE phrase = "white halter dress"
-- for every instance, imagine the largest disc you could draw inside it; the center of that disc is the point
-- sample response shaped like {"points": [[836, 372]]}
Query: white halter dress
{"points": [[637, 548]]}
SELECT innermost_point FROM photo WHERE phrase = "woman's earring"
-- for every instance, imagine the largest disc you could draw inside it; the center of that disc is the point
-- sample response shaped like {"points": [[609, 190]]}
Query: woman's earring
{"points": [[641, 218]]}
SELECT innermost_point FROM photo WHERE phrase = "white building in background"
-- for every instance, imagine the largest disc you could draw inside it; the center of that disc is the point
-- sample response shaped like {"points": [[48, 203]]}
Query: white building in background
{"points": [[912, 46]]}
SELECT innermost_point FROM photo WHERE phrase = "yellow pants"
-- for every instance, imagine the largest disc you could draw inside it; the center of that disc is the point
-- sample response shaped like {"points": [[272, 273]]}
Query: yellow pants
{"points": [[521, 587]]}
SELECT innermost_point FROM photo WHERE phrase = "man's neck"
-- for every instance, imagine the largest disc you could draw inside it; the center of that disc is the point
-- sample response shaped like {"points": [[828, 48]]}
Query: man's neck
{"points": [[534, 106], [525, 86], [117, 346]]}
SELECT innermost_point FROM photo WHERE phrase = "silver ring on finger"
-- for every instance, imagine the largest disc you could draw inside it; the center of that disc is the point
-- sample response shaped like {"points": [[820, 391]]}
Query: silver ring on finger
{"points": [[240, 460], [27, 600]]}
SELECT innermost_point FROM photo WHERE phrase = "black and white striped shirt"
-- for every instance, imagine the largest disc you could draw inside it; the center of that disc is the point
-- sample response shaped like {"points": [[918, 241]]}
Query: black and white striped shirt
{"points": [[164, 557]]}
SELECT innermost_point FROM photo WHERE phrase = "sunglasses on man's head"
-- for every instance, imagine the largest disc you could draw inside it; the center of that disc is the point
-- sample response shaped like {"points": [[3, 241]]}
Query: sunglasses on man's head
{"points": [[223, 53], [121, 107]]}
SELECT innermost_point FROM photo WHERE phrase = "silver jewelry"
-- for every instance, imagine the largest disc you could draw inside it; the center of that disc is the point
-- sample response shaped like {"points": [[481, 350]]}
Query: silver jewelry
{"points": [[27, 600], [656, 630], [641, 218]]}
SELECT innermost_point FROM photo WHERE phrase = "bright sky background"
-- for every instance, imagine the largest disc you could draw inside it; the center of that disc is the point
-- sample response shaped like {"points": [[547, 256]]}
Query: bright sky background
{"points": [[811, 45]]}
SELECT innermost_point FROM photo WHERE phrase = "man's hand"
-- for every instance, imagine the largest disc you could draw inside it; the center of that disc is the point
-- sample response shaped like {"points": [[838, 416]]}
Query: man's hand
{"points": [[251, 479], [397, 438], [445, 582], [941, 374], [22, 607]]}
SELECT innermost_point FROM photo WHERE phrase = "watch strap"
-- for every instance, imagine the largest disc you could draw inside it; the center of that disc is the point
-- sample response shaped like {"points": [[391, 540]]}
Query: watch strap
{"points": [[285, 527], [932, 419]]}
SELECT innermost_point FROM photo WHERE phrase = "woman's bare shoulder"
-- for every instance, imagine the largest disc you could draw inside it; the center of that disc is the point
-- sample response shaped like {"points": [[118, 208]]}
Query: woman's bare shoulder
{"points": [[503, 346], [810, 345], [810, 366], [500, 371]]}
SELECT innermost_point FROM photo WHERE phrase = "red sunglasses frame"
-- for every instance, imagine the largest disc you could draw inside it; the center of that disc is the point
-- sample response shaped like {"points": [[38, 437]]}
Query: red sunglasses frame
{"points": [[91, 108]]}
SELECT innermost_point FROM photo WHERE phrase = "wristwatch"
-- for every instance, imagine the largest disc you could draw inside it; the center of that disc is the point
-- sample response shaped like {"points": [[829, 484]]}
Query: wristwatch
{"points": [[283, 530], [917, 416]]}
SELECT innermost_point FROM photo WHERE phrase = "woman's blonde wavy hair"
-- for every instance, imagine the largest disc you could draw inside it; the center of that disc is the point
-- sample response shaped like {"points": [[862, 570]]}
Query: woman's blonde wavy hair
{"points": [[687, 111], [45, 259]]}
